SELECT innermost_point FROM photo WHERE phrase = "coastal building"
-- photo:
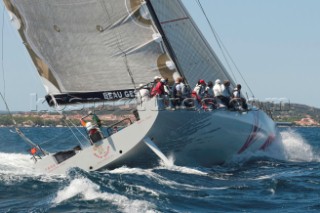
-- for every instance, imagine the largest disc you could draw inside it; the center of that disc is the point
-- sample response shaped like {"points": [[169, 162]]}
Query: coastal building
{"points": [[308, 121]]}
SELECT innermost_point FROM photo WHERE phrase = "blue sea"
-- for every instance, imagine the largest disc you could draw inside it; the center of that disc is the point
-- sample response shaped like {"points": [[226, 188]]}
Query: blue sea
{"points": [[285, 179]]}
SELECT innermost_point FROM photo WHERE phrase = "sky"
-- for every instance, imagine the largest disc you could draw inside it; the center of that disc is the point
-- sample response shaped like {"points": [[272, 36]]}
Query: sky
{"points": [[274, 43]]}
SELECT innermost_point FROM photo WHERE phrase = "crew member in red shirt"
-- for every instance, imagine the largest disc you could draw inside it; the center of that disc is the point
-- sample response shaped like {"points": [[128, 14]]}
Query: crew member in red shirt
{"points": [[159, 88]]}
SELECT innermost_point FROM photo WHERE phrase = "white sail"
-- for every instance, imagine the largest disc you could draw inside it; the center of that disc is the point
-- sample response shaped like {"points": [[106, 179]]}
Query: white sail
{"points": [[83, 46]]}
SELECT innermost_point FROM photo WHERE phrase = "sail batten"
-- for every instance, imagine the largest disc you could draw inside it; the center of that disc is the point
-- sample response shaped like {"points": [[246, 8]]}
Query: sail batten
{"points": [[174, 20]]}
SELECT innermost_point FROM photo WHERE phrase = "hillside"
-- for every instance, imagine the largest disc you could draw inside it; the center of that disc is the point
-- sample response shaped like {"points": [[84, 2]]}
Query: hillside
{"points": [[32, 119], [297, 114]]}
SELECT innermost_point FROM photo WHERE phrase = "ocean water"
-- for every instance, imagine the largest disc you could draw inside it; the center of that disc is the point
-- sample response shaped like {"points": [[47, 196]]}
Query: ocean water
{"points": [[285, 180]]}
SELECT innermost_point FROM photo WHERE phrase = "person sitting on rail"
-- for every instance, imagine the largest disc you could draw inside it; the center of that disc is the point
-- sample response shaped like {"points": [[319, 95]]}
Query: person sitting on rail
{"points": [[199, 92], [93, 131], [158, 89], [209, 90], [167, 93], [209, 99], [200, 89], [218, 93], [177, 92], [237, 101], [156, 79], [144, 93], [226, 93]]}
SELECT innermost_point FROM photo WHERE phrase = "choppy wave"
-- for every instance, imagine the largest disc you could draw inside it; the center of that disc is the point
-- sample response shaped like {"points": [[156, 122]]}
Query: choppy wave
{"points": [[14, 167], [256, 182], [86, 190], [18, 167]]}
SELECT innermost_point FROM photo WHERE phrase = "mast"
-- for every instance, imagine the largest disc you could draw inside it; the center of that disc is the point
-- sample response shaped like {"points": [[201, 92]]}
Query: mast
{"points": [[192, 53], [165, 40]]}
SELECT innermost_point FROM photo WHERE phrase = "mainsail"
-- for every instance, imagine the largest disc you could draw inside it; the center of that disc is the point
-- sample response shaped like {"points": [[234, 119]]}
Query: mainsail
{"points": [[193, 54], [91, 50]]}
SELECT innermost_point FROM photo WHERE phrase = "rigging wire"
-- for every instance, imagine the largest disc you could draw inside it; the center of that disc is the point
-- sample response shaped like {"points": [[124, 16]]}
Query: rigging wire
{"points": [[56, 105], [65, 120], [57, 136], [86, 138], [25, 138], [2, 56], [21, 134], [224, 49], [217, 39]]}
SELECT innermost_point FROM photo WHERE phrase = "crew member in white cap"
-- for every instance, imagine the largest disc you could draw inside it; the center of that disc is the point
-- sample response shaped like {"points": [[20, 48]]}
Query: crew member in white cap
{"points": [[144, 93], [217, 88], [156, 79]]}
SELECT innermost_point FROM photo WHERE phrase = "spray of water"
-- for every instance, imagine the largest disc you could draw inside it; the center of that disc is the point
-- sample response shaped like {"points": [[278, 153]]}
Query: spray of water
{"points": [[292, 147], [87, 190], [15, 166], [297, 149]]}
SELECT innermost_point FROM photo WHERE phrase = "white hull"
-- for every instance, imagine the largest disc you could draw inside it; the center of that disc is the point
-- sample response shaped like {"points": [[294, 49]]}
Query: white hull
{"points": [[204, 138], [194, 138], [102, 153]]}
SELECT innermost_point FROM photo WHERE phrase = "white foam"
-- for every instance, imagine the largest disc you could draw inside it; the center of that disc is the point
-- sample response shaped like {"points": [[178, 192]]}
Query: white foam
{"points": [[88, 190], [160, 179], [169, 162], [297, 149], [150, 191], [143, 172], [185, 170], [170, 166], [15, 167], [136, 171], [292, 147]]}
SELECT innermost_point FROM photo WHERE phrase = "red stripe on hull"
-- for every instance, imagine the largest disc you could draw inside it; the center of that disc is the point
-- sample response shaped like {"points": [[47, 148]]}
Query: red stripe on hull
{"points": [[252, 136], [268, 142]]}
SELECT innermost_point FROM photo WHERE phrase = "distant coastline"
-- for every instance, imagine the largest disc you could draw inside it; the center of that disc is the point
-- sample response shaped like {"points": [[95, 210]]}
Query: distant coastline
{"points": [[295, 115], [299, 115], [49, 119]]}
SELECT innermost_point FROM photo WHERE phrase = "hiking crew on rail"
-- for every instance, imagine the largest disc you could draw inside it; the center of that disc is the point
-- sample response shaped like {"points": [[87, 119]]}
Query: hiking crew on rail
{"points": [[205, 95]]}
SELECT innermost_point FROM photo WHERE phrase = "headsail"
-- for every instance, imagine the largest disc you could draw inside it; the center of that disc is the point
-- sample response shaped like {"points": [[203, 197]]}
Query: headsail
{"points": [[91, 46]]}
